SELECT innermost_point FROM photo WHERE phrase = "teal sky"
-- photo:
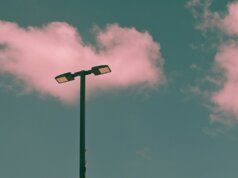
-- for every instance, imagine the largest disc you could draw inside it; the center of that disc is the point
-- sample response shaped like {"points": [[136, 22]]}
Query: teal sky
{"points": [[163, 132]]}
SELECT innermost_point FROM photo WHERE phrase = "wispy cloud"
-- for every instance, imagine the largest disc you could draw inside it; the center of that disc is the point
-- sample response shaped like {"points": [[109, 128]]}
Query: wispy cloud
{"points": [[33, 56], [205, 19], [145, 153], [225, 24], [212, 20]]}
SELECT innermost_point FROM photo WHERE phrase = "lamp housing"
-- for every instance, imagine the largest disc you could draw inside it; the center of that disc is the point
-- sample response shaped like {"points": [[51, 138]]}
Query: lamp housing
{"points": [[66, 77], [99, 70]]}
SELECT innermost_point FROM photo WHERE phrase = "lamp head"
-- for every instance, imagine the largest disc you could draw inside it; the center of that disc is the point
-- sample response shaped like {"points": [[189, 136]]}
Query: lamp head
{"points": [[99, 70], [66, 77]]}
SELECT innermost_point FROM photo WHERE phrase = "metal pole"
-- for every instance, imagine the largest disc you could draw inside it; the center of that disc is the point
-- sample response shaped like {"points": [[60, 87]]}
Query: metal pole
{"points": [[82, 161]]}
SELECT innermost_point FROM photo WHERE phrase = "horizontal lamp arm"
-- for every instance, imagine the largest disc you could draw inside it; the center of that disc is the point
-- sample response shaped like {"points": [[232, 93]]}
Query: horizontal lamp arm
{"points": [[82, 72]]}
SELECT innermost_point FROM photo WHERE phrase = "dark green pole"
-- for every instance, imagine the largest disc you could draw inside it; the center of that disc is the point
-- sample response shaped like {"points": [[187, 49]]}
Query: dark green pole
{"points": [[82, 162]]}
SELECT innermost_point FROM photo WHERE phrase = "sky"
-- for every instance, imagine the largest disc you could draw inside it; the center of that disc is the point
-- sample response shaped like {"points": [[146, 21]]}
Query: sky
{"points": [[168, 108]]}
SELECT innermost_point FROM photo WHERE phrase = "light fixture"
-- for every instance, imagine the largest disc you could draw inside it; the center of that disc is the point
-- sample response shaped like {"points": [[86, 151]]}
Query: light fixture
{"points": [[99, 70], [64, 77]]}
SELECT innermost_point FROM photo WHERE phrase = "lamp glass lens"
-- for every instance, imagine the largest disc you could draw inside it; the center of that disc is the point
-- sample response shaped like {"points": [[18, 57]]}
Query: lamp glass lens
{"points": [[104, 70], [62, 79]]}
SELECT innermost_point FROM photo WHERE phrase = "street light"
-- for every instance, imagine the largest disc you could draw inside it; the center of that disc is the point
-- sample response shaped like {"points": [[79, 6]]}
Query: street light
{"points": [[66, 77], [97, 70]]}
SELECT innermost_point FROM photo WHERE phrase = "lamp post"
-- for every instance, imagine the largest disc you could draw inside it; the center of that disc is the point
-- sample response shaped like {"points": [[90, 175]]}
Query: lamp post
{"points": [[66, 77]]}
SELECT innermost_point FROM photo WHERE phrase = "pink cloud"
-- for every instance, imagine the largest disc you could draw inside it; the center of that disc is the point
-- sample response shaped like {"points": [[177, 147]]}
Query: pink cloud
{"points": [[229, 23], [225, 100], [226, 59], [34, 56], [207, 19]]}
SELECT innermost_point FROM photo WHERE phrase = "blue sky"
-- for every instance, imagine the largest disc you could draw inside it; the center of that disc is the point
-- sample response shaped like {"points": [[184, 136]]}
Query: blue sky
{"points": [[164, 131]]}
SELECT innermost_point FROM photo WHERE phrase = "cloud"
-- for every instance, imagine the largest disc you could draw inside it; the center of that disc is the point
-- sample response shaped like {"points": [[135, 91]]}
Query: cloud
{"points": [[213, 132], [33, 56], [225, 99], [205, 19], [212, 20], [144, 153], [229, 23], [226, 60]]}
